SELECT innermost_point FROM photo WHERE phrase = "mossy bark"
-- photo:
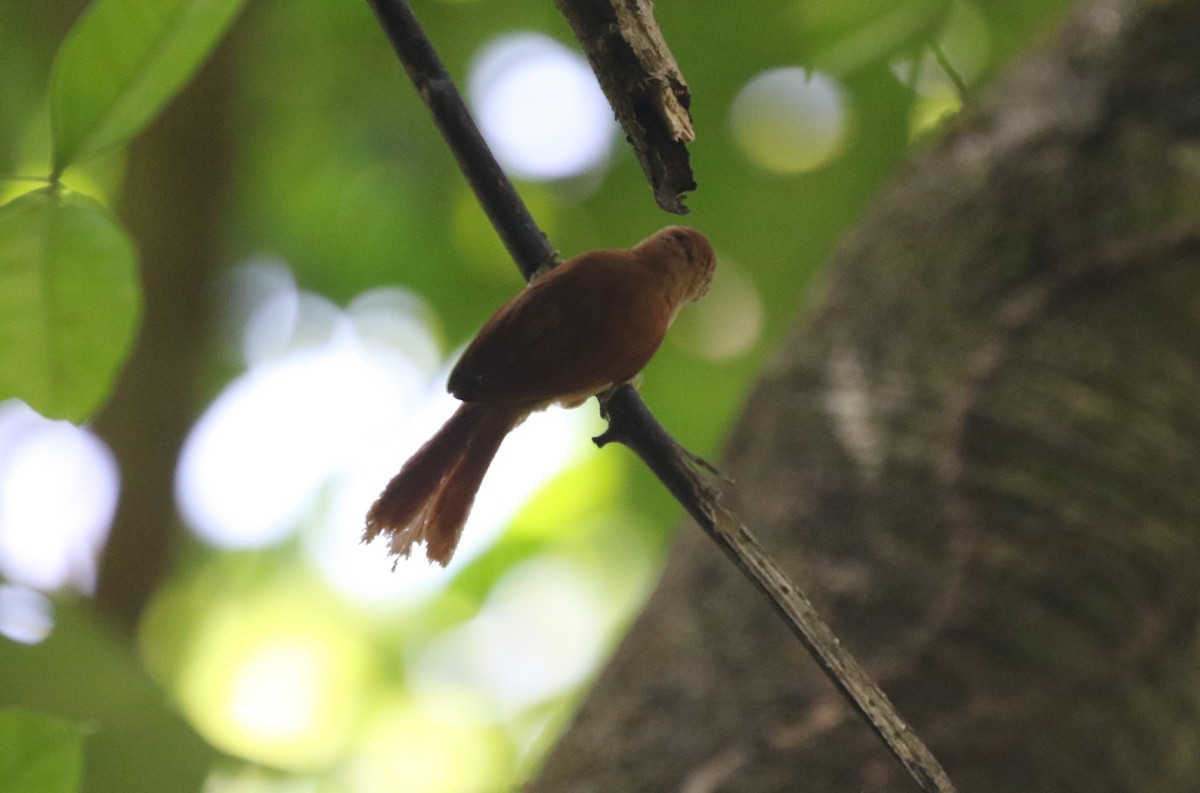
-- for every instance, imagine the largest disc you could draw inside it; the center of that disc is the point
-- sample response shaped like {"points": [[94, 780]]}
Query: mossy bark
{"points": [[980, 453]]}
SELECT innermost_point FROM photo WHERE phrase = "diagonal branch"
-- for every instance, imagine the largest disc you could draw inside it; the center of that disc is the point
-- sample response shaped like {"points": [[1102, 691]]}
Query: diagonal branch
{"points": [[638, 74], [524, 240], [630, 421]]}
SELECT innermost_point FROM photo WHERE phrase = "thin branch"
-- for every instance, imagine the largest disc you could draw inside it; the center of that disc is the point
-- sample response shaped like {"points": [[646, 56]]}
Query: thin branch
{"points": [[956, 79], [525, 241], [632, 424]]}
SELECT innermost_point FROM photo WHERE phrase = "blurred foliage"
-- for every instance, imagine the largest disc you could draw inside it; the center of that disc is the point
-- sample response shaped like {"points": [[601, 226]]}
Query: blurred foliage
{"points": [[135, 741], [41, 755], [70, 297], [121, 62], [339, 172]]}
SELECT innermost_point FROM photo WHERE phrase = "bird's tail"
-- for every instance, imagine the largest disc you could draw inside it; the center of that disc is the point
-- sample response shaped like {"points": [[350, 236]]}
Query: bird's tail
{"points": [[429, 500]]}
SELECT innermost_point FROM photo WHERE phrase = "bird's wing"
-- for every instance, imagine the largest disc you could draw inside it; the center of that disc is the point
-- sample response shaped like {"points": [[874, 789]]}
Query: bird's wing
{"points": [[576, 330]]}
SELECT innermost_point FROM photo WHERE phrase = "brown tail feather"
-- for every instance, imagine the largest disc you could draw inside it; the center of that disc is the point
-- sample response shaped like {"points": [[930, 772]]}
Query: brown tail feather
{"points": [[429, 500]]}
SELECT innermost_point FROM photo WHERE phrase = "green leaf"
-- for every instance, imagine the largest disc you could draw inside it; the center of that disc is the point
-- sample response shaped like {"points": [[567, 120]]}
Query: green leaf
{"points": [[121, 63], [69, 302], [90, 674], [884, 30], [38, 754]]}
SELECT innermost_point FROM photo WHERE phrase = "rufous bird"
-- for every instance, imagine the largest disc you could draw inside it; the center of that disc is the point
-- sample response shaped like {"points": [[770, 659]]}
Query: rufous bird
{"points": [[578, 330]]}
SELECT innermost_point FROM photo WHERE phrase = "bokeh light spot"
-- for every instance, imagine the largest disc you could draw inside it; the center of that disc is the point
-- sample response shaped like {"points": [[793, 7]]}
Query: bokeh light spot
{"points": [[257, 311], [323, 383], [275, 676], [538, 633], [790, 120], [58, 494], [274, 692], [727, 322], [26, 615], [254, 461], [433, 744], [540, 108]]}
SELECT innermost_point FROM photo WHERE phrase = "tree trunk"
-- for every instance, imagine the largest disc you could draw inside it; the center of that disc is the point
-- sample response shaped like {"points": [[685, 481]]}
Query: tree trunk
{"points": [[179, 171], [981, 455]]}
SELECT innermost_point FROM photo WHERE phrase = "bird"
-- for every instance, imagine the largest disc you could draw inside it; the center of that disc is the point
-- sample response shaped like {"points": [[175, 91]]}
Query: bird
{"points": [[577, 330]]}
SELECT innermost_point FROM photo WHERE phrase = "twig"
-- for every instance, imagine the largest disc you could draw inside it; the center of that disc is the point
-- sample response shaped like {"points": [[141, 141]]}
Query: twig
{"points": [[956, 79], [632, 424]]}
